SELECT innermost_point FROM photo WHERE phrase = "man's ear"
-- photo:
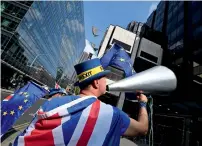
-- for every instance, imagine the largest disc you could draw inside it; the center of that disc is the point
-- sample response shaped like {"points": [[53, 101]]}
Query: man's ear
{"points": [[95, 84]]}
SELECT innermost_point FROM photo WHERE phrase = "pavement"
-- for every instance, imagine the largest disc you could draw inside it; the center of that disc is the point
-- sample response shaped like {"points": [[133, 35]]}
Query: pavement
{"points": [[10, 136], [5, 93]]}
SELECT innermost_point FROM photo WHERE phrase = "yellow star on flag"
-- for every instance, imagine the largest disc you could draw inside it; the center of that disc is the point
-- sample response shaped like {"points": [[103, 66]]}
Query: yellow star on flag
{"points": [[20, 107], [12, 112], [122, 59], [25, 100], [5, 113]]}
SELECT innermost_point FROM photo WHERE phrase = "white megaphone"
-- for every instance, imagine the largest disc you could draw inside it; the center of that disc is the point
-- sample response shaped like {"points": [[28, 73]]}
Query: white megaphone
{"points": [[158, 79]]}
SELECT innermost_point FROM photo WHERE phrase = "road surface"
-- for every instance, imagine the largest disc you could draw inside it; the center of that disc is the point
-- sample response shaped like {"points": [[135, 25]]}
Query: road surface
{"points": [[5, 93], [10, 136]]}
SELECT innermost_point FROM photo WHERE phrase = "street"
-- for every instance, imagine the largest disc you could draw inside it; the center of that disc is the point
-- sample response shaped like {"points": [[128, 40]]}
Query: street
{"points": [[5, 93], [10, 136]]}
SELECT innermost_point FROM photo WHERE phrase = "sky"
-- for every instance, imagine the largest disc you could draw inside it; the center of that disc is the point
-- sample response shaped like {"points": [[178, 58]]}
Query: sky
{"points": [[103, 13]]}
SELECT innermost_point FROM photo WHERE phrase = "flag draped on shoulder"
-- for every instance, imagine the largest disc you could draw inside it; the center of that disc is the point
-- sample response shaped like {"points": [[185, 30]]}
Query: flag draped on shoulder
{"points": [[13, 106], [117, 56], [73, 121]]}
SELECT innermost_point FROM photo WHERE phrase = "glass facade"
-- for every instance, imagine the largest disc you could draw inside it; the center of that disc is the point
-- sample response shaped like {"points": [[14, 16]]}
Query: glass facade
{"points": [[159, 18], [50, 35], [175, 26], [151, 19], [196, 8]]}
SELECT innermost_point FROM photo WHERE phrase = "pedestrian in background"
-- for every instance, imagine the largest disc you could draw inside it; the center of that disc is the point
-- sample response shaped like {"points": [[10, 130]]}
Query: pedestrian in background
{"points": [[57, 93]]}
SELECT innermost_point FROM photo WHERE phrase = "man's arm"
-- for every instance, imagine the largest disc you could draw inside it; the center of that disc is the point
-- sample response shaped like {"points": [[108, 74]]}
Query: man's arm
{"points": [[139, 127]]}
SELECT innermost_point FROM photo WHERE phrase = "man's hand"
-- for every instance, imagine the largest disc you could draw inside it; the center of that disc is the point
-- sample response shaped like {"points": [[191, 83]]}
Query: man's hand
{"points": [[139, 127], [142, 97]]}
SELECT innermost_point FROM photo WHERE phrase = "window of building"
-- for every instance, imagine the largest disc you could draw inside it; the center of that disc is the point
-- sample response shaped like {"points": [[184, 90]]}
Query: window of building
{"points": [[172, 47], [5, 22], [169, 15], [197, 31], [196, 16], [149, 56], [194, 4], [4, 40], [170, 5], [3, 6], [180, 16], [174, 22], [169, 38], [13, 26], [8, 24], [161, 17], [173, 35], [14, 48], [180, 30], [21, 13], [175, 10], [181, 3], [8, 7], [169, 27]]}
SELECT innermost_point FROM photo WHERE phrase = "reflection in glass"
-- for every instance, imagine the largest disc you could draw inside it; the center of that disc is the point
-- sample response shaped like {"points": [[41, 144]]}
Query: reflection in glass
{"points": [[55, 29]]}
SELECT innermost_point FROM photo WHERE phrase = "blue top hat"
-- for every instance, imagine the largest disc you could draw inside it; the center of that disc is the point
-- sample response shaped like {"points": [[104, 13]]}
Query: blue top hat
{"points": [[88, 71], [55, 91]]}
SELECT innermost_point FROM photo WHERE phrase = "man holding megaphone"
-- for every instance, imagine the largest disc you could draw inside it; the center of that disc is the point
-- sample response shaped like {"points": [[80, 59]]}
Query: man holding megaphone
{"points": [[92, 82], [83, 119]]}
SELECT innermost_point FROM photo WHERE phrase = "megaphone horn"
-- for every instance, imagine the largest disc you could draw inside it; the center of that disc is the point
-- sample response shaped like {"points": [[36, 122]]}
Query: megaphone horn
{"points": [[157, 79]]}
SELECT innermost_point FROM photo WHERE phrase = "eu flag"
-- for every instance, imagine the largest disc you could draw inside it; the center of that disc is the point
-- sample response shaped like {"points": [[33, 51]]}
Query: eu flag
{"points": [[116, 56], [13, 106]]}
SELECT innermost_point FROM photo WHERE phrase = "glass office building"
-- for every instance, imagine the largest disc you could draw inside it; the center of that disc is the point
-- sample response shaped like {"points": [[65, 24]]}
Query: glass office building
{"points": [[182, 24], [159, 17], [175, 26], [50, 35], [151, 19]]}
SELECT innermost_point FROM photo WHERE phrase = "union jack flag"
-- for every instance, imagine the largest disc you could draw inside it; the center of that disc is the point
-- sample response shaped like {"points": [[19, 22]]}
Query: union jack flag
{"points": [[57, 86], [75, 121]]}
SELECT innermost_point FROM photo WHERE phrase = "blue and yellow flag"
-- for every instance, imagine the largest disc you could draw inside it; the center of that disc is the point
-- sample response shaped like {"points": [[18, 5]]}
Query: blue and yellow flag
{"points": [[13, 106], [116, 56]]}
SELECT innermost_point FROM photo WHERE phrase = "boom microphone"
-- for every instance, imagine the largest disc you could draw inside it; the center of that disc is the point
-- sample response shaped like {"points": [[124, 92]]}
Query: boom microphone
{"points": [[158, 79]]}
